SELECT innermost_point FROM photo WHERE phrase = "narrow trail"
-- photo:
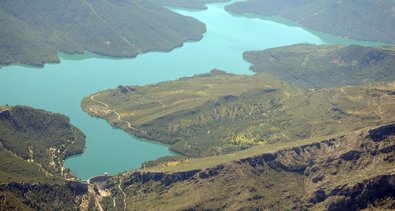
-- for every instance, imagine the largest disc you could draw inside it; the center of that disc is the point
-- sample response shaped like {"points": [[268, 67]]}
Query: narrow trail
{"points": [[344, 92], [156, 99], [113, 111], [97, 201], [376, 112], [124, 195], [105, 23], [114, 203], [40, 167], [339, 2]]}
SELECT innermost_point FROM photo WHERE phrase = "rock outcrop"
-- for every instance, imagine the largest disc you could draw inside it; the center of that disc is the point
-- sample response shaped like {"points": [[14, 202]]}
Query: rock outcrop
{"points": [[350, 172]]}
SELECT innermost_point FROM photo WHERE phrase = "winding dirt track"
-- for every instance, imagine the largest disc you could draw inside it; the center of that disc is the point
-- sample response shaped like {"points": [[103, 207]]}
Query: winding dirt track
{"points": [[124, 195], [113, 111]]}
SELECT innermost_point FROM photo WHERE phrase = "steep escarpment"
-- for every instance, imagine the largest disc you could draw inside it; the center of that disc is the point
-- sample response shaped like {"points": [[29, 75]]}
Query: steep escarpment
{"points": [[365, 19], [350, 172], [34, 31]]}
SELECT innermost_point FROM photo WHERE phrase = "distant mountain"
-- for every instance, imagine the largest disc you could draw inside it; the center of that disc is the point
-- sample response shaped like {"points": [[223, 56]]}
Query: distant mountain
{"points": [[191, 4], [33, 31], [312, 66], [372, 20]]}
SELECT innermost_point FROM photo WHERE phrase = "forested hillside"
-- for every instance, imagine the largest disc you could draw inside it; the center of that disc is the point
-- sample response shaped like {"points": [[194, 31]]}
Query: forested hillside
{"points": [[191, 4], [34, 31], [39, 137], [364, 19], [315, 66]]}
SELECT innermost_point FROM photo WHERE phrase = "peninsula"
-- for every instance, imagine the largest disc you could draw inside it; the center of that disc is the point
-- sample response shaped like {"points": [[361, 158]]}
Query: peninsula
{"points": [[34, 31]]}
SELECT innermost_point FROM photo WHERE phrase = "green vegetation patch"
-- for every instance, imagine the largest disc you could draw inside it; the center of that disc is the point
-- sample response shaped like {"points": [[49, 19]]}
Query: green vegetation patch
{"points": [[44, 196], [312, 66], [39, 137], [363, 20], [180, 112], [220, 113], [190, 4], [15, 169], [33, 31]]}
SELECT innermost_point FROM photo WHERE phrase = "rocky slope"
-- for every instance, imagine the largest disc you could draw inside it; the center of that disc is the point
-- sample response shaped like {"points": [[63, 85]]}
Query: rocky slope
{"points": [[350, 172], [34, 31]]}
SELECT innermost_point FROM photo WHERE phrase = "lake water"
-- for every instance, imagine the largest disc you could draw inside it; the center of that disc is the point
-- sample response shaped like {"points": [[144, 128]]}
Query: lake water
{"points": [[60, 87]]}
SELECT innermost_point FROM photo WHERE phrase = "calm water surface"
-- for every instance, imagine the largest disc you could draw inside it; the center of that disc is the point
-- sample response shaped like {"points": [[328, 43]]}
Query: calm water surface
{"points": [[60, 87]]}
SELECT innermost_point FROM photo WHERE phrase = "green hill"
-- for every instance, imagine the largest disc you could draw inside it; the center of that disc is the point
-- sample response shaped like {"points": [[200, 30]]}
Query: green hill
{"points": [[33, 144], [33, 31], [220, 113], [312, 66], [363, 20], [38, 137]]}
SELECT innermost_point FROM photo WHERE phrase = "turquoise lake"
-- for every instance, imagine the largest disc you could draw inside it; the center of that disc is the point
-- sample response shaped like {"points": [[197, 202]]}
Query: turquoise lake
{"points": [[60, 87]]}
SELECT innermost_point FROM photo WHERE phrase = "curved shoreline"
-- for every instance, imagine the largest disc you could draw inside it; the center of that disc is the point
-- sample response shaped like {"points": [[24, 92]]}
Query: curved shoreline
{"points": [[113, 111], [292, 22], [91, 54], [325, 36]]}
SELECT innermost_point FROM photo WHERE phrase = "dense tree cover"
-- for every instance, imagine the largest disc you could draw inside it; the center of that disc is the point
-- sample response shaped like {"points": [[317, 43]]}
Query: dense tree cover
{"points": [[233, 123], [16, 169], [219, 113], [44, 137], [33, 31], [191, 4], [364, 19], [28, 134], [312, 66], [44, 196]]}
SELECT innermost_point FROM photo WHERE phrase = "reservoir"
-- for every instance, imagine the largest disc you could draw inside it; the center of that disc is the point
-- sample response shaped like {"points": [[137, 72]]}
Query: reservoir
{"points": [[60, 87]]}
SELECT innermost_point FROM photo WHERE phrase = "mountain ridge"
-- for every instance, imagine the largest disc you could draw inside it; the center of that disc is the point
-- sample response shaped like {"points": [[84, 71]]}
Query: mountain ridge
{"points": [[333, 174], [363, 20], [37, 30]]}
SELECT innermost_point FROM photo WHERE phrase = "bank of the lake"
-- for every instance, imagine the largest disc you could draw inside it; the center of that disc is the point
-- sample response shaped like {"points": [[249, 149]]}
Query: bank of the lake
{"points": [[60, 87]]}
